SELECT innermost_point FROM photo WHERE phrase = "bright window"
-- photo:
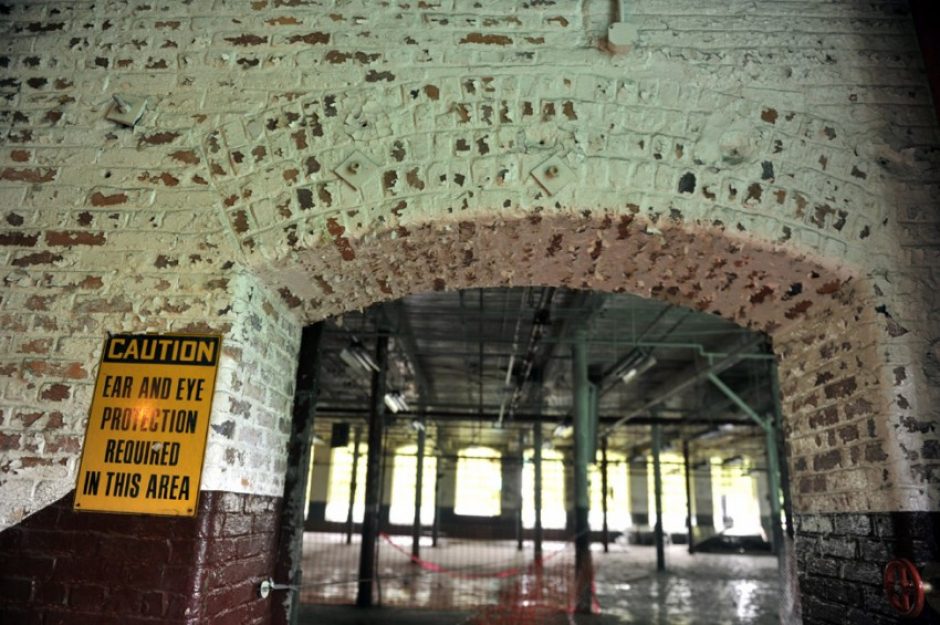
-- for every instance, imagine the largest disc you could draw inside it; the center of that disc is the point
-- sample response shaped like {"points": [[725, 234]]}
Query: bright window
{"points": [[479, 482], [553, 490], [405, 464], [337, 499], [672, 468], [736, 503], [618, 495]]}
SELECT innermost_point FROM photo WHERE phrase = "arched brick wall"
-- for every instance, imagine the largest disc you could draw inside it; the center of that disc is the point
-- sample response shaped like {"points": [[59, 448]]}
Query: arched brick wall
{"points": [[774, 176]]}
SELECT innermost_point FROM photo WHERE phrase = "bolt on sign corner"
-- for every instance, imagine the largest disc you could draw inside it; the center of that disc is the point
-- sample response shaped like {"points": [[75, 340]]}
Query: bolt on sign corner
{"points": [[147, 427]]}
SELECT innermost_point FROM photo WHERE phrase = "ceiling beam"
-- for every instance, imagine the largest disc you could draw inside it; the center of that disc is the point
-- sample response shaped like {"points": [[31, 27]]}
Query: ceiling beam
{"points": [[409, 345], [692, 376], [542, 354]]}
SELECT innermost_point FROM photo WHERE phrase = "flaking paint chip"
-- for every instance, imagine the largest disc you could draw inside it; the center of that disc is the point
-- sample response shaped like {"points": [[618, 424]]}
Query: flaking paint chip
{"points": [[356, 170], [553, 174]]}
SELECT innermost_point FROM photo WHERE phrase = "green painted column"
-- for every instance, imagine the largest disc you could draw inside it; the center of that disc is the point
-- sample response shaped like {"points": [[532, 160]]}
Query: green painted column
{"points": [[350, 520], [583, 451], [419, 489], [658, 497], [373, 492]]}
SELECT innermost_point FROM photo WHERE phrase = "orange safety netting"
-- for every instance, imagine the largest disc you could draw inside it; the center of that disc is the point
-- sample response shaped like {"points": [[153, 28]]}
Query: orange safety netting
{"points": [[540, 592]]}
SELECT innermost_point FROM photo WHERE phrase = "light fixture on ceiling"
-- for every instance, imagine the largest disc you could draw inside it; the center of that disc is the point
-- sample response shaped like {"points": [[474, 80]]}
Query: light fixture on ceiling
{"points": [[395, 402], [417, 425], [641, 367], [318, 441], [733, 461], [356, 357], [563, 430]]}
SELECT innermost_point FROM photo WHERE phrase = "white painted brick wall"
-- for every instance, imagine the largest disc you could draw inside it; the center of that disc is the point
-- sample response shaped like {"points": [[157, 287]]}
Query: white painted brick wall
{"points": [[104, 228]]}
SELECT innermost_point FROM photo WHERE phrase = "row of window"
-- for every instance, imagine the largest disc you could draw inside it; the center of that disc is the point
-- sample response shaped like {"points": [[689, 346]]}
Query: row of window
{"points": [[479, 488]]}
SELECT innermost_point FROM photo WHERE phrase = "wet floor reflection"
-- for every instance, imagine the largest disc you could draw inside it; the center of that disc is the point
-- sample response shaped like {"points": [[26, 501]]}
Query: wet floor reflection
{"points": [[473, 576]]}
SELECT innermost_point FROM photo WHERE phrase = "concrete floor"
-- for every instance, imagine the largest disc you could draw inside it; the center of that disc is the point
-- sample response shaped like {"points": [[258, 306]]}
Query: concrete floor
{"points": [[484, 583]]}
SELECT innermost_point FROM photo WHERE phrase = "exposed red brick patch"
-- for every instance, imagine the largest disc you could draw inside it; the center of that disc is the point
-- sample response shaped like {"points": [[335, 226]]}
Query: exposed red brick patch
{"points": [[290, 175], [488, 40], [558, 19], [56, 392], [201, 327], [36, 176], [760, 296], [240, 222], [100, 199], [69, 238], [313, 38], [432, 91], [18, 238], [414, 180], [289, 298], [342, 243], [323, 284], [9, 441], [535, 40], [39, 368], [247, 40], [185, 156], [375, 76], [827, 461], [283, 20], [15, 219], [170, 24], [829, 287], [39, 258], [769, 115], [158, 138], [166, 178], [797, 310], [163, 261], [568, 109], [842, 389], [68, 444], [36, 346], [20, 156], [337, 58]]}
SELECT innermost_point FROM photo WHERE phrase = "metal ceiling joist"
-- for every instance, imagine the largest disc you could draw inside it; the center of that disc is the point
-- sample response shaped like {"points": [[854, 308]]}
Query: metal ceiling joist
{"points": [[409, 345], [542, 352], [688, 380]]}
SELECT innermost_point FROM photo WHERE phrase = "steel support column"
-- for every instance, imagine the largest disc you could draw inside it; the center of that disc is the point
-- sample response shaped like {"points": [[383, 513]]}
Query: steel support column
{"points": [[582, 456], [419, 488], [687, 465], [537, 466], [350, 520], [438, 474], [519, 492], [658, 497], [605, 532], [773, 459], [290, 543], [373, 498]]}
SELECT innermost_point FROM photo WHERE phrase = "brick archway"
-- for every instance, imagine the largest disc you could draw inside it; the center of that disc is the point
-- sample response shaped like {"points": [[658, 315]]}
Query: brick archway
{"points": [[821, 319]]}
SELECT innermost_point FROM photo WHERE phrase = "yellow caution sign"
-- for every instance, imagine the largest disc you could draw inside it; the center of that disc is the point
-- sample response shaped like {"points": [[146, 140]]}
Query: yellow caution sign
{"points": [[147, 427]]}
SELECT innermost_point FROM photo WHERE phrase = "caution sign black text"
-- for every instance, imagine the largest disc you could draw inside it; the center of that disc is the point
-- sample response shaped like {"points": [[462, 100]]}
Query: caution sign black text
{"points": [[146, 434]]}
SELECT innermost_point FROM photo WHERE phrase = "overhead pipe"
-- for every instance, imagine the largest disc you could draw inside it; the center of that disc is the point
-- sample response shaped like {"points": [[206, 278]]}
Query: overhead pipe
{"points": [[690, 379]]}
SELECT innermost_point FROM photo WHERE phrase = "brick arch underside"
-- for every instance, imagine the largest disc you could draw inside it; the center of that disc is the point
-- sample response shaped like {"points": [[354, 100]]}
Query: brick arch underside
{"points": [[820, 318]]}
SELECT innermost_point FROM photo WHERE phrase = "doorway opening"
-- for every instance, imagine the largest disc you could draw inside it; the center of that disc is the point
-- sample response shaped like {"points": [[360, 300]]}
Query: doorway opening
{"points": [[477, 499]]}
